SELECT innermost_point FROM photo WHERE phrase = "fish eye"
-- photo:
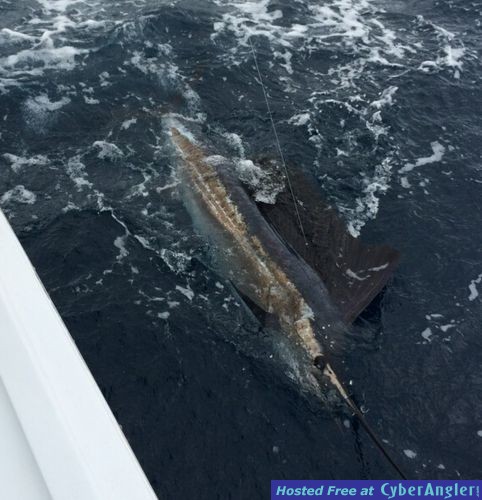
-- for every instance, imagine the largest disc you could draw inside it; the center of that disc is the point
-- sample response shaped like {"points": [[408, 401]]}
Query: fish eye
{"points": [[319, 362]]}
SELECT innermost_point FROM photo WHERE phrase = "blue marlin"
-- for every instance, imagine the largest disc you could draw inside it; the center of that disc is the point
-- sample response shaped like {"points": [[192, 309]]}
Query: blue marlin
{"points": [[312, 289]]}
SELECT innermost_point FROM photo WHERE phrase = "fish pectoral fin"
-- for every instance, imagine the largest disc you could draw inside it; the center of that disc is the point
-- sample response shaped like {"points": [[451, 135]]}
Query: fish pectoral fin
{"points": [[354, 273], [264, 317]]}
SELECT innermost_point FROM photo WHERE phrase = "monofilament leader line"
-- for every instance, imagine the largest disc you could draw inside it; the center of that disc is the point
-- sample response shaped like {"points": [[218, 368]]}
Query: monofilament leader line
{"points": [[280, 151], [349, 401]]}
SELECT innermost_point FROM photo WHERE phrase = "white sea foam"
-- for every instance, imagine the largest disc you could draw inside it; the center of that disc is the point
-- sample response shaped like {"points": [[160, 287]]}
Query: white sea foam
{"points": [[427, 334], [36, 61], [18, 195], [186, 291], [266, 183], [168, 186], [151, 65], [358, 30], [434, 316], [47, 42], [451, 52], [41, 104], [40, 111], [367, 205], [108, 150], [386, 99], [166, 71], [127, 123], [90, 100], [17, 163], [410, 453], [177, 261], [57, 5], [437, 155], [120, 243], [92, 24], [447, 327], [453, 58], [71, 206], [8, 34], [300, 119], [249, 18], [236, 142], [104, 79], [215, 160], [474, 293], [76, 171], [331, 22]]}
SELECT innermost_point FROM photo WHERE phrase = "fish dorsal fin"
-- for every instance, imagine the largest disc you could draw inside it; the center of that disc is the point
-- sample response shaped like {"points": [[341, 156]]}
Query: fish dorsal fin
{"points": [[354, 273]]}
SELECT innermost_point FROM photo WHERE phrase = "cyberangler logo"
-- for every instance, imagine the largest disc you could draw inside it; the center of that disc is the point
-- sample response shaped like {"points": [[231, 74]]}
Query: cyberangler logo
{"points": [[376, 489], [445, 491]]}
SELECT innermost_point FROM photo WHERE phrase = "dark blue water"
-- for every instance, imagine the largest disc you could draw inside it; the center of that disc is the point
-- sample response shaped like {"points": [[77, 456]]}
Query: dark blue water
{"points": [[379, 100]]}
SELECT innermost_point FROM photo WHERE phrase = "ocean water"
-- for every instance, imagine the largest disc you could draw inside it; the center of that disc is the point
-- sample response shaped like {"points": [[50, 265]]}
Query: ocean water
{"points": [[379, 101]]}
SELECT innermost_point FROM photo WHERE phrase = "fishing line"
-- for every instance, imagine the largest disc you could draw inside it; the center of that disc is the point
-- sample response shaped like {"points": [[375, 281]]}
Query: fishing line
{"points": [[361, 418], [327, 370], [270, 114], [348, 400]]}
